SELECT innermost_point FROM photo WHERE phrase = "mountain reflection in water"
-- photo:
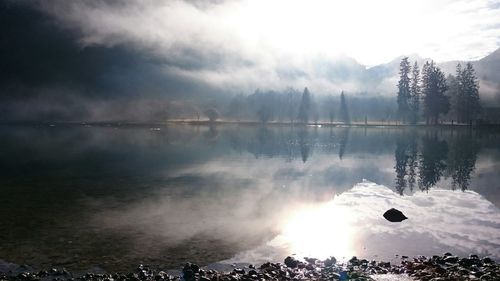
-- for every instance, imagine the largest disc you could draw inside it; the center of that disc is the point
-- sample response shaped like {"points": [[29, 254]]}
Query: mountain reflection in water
{"points": [[115, 197]]}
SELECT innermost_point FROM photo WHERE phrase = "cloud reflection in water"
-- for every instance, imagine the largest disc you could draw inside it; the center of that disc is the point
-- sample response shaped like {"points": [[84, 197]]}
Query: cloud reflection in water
{"points": [[352, 224]]}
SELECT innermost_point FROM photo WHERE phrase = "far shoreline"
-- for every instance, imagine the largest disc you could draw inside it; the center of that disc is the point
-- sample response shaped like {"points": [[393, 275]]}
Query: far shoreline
{"points": [[189, 122]]}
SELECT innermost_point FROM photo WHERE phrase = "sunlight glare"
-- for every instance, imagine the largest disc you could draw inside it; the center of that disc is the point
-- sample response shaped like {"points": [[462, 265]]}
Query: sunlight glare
{"points": [[360, 28], [322, 231]]}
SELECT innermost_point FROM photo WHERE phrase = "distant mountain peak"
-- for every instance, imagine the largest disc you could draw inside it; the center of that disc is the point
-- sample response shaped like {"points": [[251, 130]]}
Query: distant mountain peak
{"points": [[495, 55]]}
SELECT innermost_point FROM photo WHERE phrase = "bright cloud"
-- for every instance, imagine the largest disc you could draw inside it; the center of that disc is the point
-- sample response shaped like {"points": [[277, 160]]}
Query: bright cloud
{"points": [[243, 43], [352, 224]]}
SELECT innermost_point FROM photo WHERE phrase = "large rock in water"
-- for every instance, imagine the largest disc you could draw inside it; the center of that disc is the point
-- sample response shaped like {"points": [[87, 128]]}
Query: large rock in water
{"points": [[394, 215]]}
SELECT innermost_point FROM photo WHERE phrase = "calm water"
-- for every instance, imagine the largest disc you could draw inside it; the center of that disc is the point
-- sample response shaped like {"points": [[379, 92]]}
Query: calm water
{"points": [[81, 197]]}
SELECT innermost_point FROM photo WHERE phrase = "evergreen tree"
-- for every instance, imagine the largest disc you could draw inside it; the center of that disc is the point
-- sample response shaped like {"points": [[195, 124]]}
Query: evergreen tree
{"points": [[415, 93], [454, 93], [460, 97], [464, 90], [404, 89], [433, 89], [314, 110], [305, 107], [470, 87], [344, 113]]}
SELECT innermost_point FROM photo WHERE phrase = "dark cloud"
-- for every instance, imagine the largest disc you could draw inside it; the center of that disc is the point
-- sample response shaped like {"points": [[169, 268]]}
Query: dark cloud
{"points": [[36, 52], [61, 57], [46, 73]]}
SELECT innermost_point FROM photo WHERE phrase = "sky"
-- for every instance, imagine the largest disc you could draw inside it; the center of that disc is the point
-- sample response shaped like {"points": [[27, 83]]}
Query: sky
{"points": [[63, 50], [242, 43], [263, 31]]}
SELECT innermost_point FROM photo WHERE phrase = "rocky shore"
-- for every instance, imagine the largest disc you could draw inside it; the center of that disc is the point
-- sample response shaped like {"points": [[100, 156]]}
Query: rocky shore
{"points": [[445, 267]]}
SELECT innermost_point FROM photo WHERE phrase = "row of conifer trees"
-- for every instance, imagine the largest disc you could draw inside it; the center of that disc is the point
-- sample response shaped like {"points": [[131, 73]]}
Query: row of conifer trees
{"points": [[428, 93]]}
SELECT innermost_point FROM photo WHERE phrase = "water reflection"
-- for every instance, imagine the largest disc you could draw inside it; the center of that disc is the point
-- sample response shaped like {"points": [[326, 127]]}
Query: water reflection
{"points": [[352, 224], [427, 159], [80, 196]]}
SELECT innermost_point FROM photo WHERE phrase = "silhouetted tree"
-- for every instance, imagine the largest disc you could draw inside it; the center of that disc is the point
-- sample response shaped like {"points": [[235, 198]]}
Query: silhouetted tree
{"points": [[433, 88], [470, 87], [463, 89], [454, 93], [404, 89], [305, 107], [212, 114], [344, 113], [292, 103], [414, 102]]}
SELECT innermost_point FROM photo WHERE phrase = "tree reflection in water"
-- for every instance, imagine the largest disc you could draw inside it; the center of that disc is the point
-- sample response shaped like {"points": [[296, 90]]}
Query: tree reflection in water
{"points": [[422, 157], [428, 158]]}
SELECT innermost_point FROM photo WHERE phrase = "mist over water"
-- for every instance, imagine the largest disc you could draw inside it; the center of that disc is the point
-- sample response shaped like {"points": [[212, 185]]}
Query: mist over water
{"points": [[80, 196]]}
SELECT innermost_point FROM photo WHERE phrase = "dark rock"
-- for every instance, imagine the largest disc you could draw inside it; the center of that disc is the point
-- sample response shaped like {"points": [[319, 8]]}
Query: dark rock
{"points": [[354, 261], [468, 262], [291, 262], [239, 270], [188, 274], [384, 264], [195, 268], [440, 270], [487, 260], [451, 259], [53, 271], [330, 261], [394, 215], [310, 260]]}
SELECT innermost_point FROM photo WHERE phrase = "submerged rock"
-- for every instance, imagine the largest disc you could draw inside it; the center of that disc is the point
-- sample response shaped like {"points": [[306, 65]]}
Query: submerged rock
{"points": [[394, 215]]}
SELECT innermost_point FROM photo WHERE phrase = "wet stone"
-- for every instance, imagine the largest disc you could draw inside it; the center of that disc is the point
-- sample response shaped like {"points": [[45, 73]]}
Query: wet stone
{"points": [[420, 268], [451, 259], [239, 270], [291, 262]]}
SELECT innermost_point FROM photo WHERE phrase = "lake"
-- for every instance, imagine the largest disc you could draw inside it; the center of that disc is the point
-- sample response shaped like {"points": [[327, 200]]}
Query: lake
{"points": [[113, 197]]}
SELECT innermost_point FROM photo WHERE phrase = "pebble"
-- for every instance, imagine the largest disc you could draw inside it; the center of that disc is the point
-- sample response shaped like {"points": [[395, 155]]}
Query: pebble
{"points": [[445, 267]]}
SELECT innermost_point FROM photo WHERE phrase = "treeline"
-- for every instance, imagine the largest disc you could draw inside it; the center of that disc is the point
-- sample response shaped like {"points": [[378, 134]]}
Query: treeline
{"points": [[289, 106], [423, 95], [292, 106], [427, 94]]}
